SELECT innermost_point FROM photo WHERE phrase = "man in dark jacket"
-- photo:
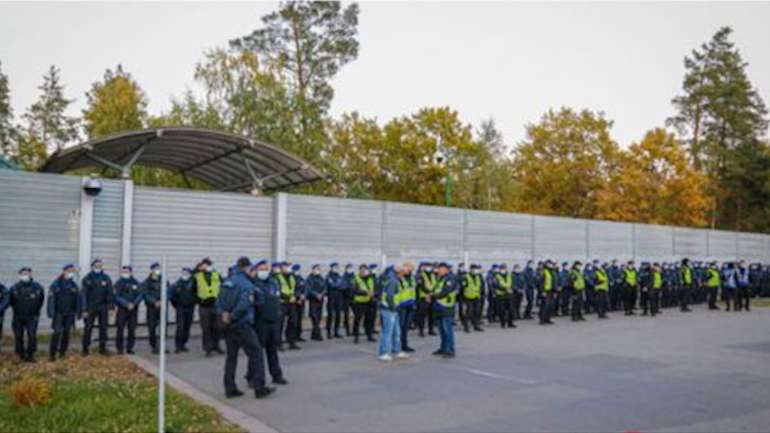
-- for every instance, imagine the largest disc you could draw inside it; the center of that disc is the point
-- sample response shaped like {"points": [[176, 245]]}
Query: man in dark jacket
{"points": [[267, 319], [444, 299], [5, 301], [151, 290], [26, 302], [128, 296], [207, 283], [183, 297], [64, 305], [97, 302], [335, 304], [235, 306], [315, 286]]}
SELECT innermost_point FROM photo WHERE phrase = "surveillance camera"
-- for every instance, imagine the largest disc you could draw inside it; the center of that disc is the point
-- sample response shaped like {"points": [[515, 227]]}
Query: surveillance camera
{"points": [[92, 186]]}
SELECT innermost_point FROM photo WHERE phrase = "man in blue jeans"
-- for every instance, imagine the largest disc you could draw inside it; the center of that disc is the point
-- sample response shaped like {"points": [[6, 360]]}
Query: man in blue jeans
{"points": [[389, 298], [444, 299]]}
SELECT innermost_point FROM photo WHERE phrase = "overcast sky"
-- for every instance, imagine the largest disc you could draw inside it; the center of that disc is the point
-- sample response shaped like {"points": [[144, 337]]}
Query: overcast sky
{"points": [[510, 61]]}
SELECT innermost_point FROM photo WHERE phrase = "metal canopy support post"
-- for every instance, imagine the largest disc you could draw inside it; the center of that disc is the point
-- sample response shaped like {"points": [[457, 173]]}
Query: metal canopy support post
{"points": [[281, 202], [86, 229], [128, 221], [125, 169]]}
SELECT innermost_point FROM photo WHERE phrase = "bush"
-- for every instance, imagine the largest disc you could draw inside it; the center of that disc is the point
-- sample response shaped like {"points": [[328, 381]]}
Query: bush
{"points": [[30, 391]]}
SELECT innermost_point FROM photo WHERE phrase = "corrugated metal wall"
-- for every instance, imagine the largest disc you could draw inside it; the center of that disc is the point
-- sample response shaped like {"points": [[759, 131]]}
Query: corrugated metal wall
{"points": [[39, 224], [189, 225], [413, 232], [492, 237], [107, 224]]}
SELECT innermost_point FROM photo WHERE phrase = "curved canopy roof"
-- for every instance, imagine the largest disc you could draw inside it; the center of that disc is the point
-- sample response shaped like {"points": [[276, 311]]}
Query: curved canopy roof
{"points": [[223, 160]]}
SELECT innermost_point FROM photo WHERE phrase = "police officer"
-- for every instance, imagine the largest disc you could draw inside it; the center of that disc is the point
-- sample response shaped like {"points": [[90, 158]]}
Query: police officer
{"points": [[347, 296], [687, 282], [504, 297], [601, 290], [443, 299], [183, 297], [97, 302], [547, 286], [745, 281], [335, 304], [630, 281], [713, 281], [363, 294], [5, 301], [655, 289], [64, 305], [530, 289], [208, 283], [301, 292], [235, 306], [577, 290], [128, 296], [519, 287], [645, 285], [406, 303], [729, 285], [426, 282], [151, 291], [616, 285], [491, 283], [267, 319], [26, 302], [288, 304], [472, 293], [316, 291], [379, 280]]}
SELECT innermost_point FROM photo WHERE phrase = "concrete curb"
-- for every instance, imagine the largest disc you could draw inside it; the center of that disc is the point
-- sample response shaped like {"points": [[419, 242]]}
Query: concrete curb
{"points": [[246, 422]]}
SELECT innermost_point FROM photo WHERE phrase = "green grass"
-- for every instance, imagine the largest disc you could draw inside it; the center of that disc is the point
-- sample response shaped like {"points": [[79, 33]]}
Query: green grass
{"points": [[760, 302], [99, 394]]}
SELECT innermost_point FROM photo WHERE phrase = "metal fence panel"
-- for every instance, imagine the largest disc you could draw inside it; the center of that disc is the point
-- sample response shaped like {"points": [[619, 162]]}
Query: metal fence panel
{"points": [[722, 245], [189, 225], [107, 224], [653, 242], [324, 230], [560, 238], [751, 247], [493, 237], [416, 232], [610, 240], [39, 224]]}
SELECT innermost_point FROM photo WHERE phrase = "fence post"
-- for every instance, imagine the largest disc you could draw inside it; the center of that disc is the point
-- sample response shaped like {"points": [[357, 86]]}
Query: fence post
{"points": [[162, 349], [86, 229], [128, 222], [280, 223]]}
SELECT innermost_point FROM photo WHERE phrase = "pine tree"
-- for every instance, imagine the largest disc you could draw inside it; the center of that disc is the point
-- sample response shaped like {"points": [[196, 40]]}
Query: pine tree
{"points": [[8, 132], [47, 118]]}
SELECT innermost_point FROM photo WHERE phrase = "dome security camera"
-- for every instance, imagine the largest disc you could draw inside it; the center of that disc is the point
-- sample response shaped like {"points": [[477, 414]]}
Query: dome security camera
{"points": [[92, 186]]}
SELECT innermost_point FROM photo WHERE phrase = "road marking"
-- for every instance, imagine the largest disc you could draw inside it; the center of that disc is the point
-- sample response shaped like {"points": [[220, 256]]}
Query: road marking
{"points": [[500, 376]]}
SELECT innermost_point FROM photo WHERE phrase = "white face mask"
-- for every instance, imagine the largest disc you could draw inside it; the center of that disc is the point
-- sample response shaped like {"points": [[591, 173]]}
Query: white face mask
{"points": [[185, 277], [209, 268], [98, 270], [156, 272], [348, 270], [125, 275], [335, 269], [263, 275], [316, 272], [24, 278], [428, 269], [69, 275]]}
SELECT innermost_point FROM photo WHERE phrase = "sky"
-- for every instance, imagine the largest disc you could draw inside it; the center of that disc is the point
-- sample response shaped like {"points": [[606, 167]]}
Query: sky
{"points": [[507, 61]]}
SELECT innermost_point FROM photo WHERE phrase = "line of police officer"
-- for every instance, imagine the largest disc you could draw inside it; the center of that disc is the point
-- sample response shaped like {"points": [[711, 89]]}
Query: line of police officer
{"points": [[569, 291]]}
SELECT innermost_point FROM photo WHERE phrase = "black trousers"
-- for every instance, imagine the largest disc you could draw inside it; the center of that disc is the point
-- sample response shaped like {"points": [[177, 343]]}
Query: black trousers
{"points": [[346, 301], [93, 316], [516, 305], [270, 338], [491, 309], [654, 302], [424, 313], [289, 323], [316, 311], [529, 294], [300, 307], [712, 297], [644, 300], [588, 302], [184, 319], [546, 304], [60, 338], [577, 305], [743, 299], [629, 298], [335, 309], [564, 298], [602, 301], [362, 313], [243, 337], [729, 296], [504, 310], [126, 319], [405, 317], [208, 318], [153, 322], [21, 327], [472, 313], [684, 297]]}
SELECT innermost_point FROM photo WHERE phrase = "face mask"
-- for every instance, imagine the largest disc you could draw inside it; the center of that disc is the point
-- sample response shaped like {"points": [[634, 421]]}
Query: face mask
{"points": [[317, 272], [335, 269], [209, 268], [24, 278], [263, 275], [428, 269], [185, 277], [348, 270], [98, 270], [125, 275], [285, 270], [69, 275], [156, 272]]}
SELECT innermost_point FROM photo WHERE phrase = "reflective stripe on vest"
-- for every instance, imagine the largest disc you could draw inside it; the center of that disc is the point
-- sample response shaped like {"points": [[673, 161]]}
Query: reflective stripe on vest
{"points": [[713, 280], [579, 282], [472, 288], [602, 282], [687, 275], [206, 290], [447, 301], [428, 284], [287, 286], [657, 280], [407, 294], [630, 276], [365, 285], [547, 280], [504, 283]]}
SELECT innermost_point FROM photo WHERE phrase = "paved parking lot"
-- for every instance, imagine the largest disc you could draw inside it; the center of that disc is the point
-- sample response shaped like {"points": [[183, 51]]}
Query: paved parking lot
{"points": [[704, 371]]}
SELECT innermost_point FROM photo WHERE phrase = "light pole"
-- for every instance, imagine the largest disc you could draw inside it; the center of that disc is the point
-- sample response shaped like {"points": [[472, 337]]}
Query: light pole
{"points": [[443, 157]]}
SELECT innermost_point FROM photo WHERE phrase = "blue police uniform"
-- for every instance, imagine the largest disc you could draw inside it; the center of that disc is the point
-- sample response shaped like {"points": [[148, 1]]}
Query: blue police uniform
{"points": [[96, 289], [444, 307], [267, 323], [26, 302], [316, 291], [151, 294], [128, 292], [64, 305], [184, 298], [336, 286]]}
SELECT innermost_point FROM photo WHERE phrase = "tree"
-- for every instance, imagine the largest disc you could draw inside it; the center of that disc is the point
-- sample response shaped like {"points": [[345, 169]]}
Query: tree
{"points": [[718, 113], [563, 162], [308, 43], [655, 183], [8, 132], [115, 104], [47, 119], [30, 151]]}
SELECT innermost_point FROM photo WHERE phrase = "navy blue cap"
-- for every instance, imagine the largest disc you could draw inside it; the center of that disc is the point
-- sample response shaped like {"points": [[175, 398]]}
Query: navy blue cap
{"points": [[67, 266], [155, 265], [444, 265], [95, 261], [243, 262], [277, 264], [127, 267], [333, 264], [261, 262], [25, 268], [186, 269], [372, 265], [315, 266], [296, 267]]}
